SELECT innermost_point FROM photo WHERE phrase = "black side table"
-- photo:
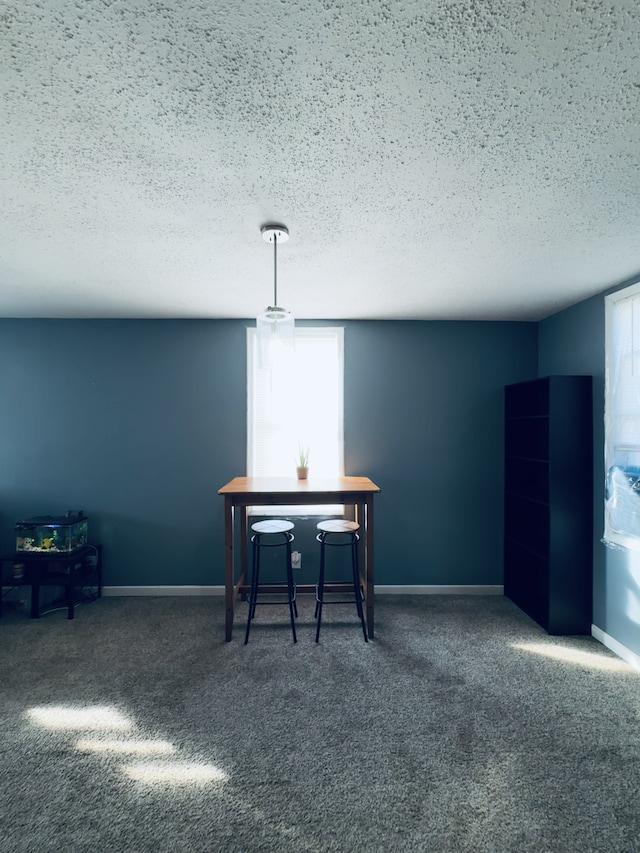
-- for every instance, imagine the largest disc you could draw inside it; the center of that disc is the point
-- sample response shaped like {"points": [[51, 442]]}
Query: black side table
{"points": [[35, 569]]}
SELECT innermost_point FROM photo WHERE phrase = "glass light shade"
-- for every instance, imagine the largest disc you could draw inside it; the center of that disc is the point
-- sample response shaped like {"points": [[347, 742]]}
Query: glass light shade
{"points": [[275, 329]]}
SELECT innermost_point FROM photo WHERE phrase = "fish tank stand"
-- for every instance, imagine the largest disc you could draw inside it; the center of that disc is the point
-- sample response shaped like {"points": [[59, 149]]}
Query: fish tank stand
{"points": [[72, 571]]}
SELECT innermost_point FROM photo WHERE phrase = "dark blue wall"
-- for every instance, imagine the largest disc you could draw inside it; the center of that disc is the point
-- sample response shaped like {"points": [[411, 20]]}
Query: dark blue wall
{"points": [[140, 422], [424, 419], [573, 341], [137, 423]]}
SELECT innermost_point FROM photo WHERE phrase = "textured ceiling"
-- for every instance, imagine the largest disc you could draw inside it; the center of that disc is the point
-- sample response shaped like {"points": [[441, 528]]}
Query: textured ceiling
{"points": [[432, 160]]}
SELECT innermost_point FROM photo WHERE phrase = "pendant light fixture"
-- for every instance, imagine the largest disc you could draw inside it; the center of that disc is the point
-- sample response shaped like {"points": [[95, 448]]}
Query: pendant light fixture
{"points": [[275, 326]]}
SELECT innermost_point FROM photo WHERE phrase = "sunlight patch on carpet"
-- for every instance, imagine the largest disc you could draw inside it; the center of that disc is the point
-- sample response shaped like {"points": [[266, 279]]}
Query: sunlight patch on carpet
{"points": [[175, 773], [591, 660], [126, 747], [94, 718]]}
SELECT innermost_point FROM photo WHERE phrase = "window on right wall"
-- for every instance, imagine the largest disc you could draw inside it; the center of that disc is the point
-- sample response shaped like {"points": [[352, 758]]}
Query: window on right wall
{"points": [[622, 418]]}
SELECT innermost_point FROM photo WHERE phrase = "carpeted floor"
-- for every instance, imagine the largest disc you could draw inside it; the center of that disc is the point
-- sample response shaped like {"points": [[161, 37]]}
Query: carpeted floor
{"points": [[462, 727]]}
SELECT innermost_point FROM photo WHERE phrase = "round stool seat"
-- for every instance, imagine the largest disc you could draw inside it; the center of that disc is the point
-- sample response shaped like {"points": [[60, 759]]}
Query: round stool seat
{"points": [[272, 525], [338, 525]]}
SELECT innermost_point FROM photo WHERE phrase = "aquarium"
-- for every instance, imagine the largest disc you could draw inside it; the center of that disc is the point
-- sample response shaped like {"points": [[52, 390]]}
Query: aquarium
{"points": [[51, 534]]}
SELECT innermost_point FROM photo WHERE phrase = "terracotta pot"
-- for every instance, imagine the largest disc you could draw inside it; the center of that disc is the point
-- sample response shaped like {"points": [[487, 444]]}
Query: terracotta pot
{"points": [[302, 473]]}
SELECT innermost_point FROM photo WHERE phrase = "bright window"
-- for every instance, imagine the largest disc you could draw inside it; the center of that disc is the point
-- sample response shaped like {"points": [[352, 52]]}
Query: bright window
{"points": [[622, 418], [295, 403]]}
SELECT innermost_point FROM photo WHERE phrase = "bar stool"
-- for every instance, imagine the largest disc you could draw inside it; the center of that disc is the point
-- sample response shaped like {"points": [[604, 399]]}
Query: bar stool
{"points": [[272, 533], [340, 532]]}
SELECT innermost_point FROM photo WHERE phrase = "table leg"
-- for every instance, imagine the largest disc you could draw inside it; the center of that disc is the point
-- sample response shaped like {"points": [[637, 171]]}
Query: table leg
{"points": [[35, 600], [244, 537], [228, 566], [99, 567], [368, 521], [70, 590]]}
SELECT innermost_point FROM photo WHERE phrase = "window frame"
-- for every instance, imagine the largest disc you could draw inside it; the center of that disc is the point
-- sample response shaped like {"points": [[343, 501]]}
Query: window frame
{"points": [[336, 333], [622, 480]]}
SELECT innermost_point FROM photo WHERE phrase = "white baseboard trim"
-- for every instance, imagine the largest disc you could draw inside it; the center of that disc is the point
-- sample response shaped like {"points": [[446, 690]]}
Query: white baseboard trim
{"points": [[163, 590], [381, 589], [441, 589], [617, 648]]}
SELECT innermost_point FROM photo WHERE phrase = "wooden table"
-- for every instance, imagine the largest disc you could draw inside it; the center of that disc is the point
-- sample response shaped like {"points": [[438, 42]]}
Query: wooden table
{"points": [[241, 492]]}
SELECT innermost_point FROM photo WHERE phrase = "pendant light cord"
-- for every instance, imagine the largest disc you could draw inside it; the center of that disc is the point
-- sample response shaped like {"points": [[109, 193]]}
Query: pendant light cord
{"points": [[275, 270]]}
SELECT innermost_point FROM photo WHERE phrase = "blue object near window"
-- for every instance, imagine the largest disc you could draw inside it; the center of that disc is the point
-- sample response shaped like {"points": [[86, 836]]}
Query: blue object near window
{"points": [[622, 419]]}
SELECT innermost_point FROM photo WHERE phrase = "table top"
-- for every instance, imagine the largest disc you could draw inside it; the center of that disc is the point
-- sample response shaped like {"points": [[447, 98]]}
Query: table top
{"points": [[259, 486]]}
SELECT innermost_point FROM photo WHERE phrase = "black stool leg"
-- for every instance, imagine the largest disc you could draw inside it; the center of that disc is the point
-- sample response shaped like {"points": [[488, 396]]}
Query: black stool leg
{"points": [[253, 592], [292, 590], [320, 589], [357, 589], [256, 578], [293, 610]]}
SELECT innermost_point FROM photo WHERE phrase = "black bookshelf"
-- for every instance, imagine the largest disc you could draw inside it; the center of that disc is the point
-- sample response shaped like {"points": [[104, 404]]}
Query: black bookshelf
{"points": [[548, 519]]}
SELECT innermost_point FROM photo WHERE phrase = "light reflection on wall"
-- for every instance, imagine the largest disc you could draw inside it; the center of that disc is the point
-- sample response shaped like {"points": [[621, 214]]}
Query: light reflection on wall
{"points": [[633, 606]]}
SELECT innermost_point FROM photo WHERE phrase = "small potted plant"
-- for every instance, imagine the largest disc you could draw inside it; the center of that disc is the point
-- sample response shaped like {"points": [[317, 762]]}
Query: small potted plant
{"points": [[302, 465]]}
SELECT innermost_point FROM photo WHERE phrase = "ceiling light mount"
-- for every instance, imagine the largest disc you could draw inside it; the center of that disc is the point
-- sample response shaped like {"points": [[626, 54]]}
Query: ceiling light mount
{"points": [[275, 233], [275, 326]]}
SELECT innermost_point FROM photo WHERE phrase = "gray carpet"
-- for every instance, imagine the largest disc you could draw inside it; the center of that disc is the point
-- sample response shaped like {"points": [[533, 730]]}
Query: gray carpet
{"points": [[462, 727]]}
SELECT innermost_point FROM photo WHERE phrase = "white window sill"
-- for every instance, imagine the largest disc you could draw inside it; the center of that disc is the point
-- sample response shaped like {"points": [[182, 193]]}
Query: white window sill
{"points": [[297, 510]]}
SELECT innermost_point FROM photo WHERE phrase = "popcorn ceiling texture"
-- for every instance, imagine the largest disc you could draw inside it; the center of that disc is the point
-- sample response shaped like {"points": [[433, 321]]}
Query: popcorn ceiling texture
{"points": [[432, 160]]}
